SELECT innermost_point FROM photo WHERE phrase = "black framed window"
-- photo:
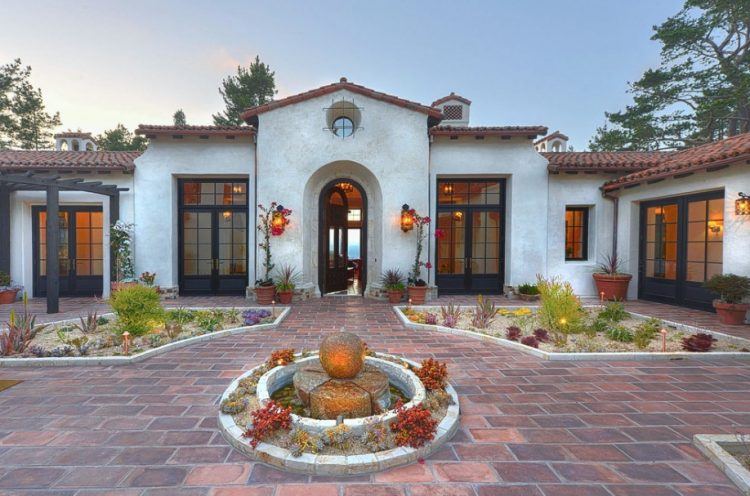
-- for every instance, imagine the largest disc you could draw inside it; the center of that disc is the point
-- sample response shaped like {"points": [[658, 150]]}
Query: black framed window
{"points": [[576, 233]]}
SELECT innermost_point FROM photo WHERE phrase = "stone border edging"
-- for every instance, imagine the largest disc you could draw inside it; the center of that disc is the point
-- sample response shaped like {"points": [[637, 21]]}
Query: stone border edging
{"points": [[339, 465], [710, 446], [559, 356], [126, 360]]}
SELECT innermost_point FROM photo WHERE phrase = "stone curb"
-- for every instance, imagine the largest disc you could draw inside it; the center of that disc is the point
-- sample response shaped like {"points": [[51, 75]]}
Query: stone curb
{"points": [[557, 356], [337, 465], [710, 446], [126, 360]]}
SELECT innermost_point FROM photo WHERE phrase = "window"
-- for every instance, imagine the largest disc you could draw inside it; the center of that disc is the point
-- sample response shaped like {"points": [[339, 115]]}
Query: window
{"points": [[453, 112], [576, 233], [343, 127], [354, 215]]}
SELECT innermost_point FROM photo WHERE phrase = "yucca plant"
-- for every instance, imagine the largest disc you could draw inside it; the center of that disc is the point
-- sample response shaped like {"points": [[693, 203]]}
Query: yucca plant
{"points": [[484, 313]]}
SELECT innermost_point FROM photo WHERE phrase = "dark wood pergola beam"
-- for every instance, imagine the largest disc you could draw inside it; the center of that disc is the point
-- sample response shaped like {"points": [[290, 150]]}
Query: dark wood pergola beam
{"points": [[4, 228], [53, 249], [30, 180]]}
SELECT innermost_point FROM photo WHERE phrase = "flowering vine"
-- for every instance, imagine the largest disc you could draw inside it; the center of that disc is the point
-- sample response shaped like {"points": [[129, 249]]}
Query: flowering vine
{"points": [[272, 222], [422, 226]]}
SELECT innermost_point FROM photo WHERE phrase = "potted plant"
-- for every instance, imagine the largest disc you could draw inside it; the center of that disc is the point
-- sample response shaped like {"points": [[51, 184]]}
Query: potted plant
{"points": [[120, 235], [528, 292], [8, 290], [285, 284], [393, 282], [271, 222], [417, 285], [732, 289], [611, 284]]}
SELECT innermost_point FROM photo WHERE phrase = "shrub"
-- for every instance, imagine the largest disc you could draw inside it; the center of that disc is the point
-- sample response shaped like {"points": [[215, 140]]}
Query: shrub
{"points": [[268, 420], [614, 312], [451, 314], [484, 313], [21, 329], [620, 334], [731, 288], [254, 317], [528, 289], [599, 325], [513, 333], [180, 315], [699, 342], [645, 332], [392, 280], [102, 321], [207, 320], [414, 426], [301, 441], [281, 357], [433, 374], [560, 310], [530, 341], [138, 309], [541, 335]]}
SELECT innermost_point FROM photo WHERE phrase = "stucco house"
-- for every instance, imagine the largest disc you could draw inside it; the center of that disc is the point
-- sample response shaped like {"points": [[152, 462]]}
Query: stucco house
{"points": [[345, 158]]}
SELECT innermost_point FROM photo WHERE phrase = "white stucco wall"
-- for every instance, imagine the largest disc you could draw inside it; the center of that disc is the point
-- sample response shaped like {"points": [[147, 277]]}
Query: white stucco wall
{"points": [[21, 240], [388, 157], [736, 228], [526, 194], [156, 195], [578, 190]]}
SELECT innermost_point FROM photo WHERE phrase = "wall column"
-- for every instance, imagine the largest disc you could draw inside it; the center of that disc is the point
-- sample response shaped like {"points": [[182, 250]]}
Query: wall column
{"points": [[53, 248], [4, 228]]}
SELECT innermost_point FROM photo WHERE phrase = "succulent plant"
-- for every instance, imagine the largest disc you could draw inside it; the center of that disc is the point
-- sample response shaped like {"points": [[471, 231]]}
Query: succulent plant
{"points": [[338, 437], [530, 341], [377, 437], [301, 441], [513, 333]]}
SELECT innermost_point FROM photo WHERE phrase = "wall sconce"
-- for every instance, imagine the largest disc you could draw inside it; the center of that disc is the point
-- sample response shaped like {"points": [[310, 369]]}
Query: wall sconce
{"points": [[458, 216], [278, 223], [407, 219], [714, 226], [742, 205], [448, 188]]}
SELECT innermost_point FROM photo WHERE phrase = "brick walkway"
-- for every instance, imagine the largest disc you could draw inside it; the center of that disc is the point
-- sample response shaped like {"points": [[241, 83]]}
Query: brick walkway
{"points": [[529, 427]]}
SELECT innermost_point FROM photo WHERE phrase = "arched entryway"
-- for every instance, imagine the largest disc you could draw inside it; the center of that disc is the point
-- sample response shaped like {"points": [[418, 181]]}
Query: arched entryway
{"points": [[342, 238]]}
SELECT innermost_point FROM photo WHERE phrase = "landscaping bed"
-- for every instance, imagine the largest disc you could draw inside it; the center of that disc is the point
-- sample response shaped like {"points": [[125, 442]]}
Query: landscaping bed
{"points": [[730, 453]]}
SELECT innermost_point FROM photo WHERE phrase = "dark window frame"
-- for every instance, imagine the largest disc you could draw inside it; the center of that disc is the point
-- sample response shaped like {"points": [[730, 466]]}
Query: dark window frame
{"points": [[584, 234]]}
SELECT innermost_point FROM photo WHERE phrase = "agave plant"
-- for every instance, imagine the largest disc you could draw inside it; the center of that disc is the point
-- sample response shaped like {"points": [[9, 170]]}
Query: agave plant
{"points": [[450, 313], [484, 313], [21, 330], [88, 325]]}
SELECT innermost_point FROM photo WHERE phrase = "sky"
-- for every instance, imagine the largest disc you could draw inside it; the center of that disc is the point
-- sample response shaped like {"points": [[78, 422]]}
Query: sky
{"points": [[558, 64]]}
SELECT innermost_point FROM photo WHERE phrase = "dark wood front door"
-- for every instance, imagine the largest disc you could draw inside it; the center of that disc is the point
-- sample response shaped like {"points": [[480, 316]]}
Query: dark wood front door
{"points": [[336, 245], [470, 215], [681, 246], [213, 236], [80, 253]]}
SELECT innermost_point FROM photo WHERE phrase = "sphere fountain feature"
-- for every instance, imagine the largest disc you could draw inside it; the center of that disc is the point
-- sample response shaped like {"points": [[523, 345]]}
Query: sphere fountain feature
{"points": [[339, 384]]}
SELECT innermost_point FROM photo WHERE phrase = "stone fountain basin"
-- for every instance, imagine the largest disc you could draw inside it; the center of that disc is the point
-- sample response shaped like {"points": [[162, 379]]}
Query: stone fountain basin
{"points": [[338, 465], [399, 376]]}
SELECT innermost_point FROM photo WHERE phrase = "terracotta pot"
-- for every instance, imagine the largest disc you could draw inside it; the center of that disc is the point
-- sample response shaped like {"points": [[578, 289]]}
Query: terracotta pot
{"points": [[527, 297], [8, 296], [264, 294], [614, 287], [731, 313], [395, 295], [284, 297], [417, 294]]}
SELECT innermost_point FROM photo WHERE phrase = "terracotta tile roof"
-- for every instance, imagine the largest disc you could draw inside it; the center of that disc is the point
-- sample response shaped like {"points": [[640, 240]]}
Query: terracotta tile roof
{"points": [[556, 134], [67, 160], [450, 97], [155, 130], [602, 161], [343, 84], [531, 131], [73, 134], [708, 156]]}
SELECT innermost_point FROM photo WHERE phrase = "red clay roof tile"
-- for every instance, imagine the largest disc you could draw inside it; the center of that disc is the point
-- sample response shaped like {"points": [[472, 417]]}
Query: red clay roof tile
{"points": [[450, 97], [150, 129], [602, 161], [67, 160], [488, 130]]}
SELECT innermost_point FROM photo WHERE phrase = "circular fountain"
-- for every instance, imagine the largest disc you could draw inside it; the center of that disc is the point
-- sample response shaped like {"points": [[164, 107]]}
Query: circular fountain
{"points": [[342, 385]]}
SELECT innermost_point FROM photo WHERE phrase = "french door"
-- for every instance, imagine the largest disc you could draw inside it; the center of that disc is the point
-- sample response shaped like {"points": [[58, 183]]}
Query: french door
{"points": [[470, 216], [80, 253], [213, 236], [681, 247], [336, 242]]}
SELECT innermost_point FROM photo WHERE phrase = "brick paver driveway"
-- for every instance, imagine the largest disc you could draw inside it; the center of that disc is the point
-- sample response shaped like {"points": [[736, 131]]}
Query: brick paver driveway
{"points": [[529, 427]]}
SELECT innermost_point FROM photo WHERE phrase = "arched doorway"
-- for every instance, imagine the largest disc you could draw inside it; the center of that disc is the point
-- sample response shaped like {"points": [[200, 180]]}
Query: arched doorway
{"points": [[342, 238]]}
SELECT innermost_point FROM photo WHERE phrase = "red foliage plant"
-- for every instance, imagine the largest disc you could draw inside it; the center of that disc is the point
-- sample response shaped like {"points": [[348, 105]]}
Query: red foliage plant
{"points": [[698, 342], [281, 357], [268, 420], [513, 333], [541, 335], [530, 341], [413, 426], [433, 374]]}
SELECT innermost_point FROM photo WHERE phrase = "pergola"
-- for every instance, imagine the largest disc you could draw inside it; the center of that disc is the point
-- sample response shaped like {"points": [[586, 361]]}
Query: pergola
{"points": [[52, 184]]}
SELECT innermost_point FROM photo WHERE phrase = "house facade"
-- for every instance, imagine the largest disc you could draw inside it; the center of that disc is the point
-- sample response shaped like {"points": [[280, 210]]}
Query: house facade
{"points": [[510, 202]]}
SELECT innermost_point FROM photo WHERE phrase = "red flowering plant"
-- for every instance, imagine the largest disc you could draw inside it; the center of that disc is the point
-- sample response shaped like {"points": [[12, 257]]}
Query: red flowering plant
{"points": [[413, 426], [281, 357], [272, 222], [422, 225], [433, 374], [268, 420]]}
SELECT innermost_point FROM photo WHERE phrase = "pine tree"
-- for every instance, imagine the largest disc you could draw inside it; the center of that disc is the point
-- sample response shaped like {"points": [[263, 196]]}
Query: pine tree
{"points": [[249, 88], [120, 139], [179, 118]]}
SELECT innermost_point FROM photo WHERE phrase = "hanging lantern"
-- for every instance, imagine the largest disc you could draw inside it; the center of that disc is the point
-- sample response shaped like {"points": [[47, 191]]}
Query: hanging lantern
{"points": [[448, 188], [345, 187], [407, 219], [278, 223], [742, 205]]}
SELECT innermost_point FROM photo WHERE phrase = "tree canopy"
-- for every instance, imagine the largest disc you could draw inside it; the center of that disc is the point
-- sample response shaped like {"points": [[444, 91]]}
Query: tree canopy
{"points": [[251, 86], [179, 118], [701, 90], [120, 139], [24, 121]]}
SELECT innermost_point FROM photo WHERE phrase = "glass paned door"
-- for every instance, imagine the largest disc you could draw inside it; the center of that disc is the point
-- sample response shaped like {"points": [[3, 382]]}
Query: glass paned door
{"points": [[81, 251], [470, 253], [681, 247]]}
